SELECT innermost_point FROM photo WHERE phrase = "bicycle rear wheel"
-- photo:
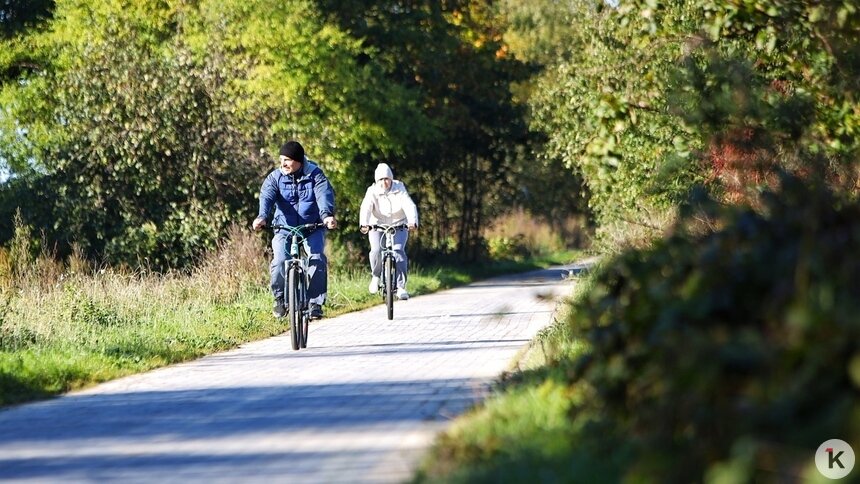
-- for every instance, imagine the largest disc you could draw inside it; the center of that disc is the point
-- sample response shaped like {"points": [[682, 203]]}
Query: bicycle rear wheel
{"points": [[388, 271], [295, 310]]}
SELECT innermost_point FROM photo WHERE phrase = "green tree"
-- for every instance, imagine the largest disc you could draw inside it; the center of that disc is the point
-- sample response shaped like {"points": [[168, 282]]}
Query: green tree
{"points": [[423, 86], [308, 79], [803, 61], [607, 114], [146, 117], [651, 97], [540, 33], [451, 56], [136, 138]]}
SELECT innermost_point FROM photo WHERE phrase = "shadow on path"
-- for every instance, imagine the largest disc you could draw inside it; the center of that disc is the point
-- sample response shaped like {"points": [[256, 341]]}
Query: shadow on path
{"points": [[225, 412]]}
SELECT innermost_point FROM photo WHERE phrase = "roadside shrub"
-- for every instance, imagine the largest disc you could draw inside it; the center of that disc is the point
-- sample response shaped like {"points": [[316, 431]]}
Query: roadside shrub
{"points": [[520, 234], [508, 247], [87, 311], [731, 348]]}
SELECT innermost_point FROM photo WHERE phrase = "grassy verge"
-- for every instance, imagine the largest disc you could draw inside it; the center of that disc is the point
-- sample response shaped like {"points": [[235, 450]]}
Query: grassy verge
{"points": [[63, 329]]}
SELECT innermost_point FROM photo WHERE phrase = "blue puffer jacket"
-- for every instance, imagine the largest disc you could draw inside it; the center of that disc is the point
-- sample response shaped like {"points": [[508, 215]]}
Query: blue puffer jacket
{"points": [[305, 198]]}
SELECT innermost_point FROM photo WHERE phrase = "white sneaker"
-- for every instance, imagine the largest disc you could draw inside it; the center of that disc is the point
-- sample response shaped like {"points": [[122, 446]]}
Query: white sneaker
{"points": [[402, 294], [373, 287]]}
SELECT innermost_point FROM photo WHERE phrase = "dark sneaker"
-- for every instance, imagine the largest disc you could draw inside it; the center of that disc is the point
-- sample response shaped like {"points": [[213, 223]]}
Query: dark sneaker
{"points": [[278, 310], [316, 311]]}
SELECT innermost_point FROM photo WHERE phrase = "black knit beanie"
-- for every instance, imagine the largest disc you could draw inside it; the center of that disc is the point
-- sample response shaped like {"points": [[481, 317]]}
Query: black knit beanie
{"points": [[292, 149]]}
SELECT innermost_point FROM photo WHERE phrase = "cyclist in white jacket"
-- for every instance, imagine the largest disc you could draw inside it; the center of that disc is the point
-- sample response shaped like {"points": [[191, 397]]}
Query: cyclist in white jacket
{"points": [[387, 202]]}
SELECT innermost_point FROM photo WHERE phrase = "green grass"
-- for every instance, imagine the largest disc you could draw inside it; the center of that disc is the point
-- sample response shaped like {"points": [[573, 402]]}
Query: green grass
{"points": [[73, 330], [84, 333]]}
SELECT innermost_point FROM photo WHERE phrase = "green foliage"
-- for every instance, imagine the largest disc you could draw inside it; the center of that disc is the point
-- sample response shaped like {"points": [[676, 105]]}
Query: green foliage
{"points": [[519, 235], [302, 75], [23, 248], [804, 53], [136, 137], [745, 336], [771, 86], [15, 337], [605, 110], [451, 58], [507, 247], [650, 97], [541, 31], [306, 78], [86, 311], [142, 120]]}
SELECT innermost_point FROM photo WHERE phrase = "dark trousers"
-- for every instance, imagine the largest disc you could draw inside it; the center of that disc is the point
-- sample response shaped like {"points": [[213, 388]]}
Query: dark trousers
{"points": [[314, 246]]}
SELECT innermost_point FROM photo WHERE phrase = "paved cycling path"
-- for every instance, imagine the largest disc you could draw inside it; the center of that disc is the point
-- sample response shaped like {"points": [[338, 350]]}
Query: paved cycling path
{"points": [[360, 404]]}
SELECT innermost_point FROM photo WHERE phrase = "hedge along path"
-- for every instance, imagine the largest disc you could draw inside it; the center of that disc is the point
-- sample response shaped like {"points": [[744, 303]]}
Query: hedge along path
{"points": [[361, 403]]}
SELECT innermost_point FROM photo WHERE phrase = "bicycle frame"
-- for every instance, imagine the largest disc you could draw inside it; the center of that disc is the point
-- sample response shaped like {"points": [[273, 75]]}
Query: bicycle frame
{"points": [[296, 281], [389, 272]]}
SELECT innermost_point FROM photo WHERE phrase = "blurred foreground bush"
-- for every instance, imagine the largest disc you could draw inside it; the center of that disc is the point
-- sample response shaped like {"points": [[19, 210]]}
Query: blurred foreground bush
{"points": [[730, 350]]}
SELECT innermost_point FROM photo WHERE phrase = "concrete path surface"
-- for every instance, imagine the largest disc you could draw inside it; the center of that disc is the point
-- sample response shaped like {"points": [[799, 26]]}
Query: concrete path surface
{"points": [[360, 404]]}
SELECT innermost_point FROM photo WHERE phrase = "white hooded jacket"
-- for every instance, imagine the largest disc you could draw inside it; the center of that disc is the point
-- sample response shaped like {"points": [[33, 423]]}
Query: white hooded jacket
{"points": [[391, 208]]}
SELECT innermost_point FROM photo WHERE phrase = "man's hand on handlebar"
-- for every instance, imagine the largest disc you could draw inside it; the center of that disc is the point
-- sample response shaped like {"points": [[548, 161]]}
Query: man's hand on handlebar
{"points": [[259, 224]]}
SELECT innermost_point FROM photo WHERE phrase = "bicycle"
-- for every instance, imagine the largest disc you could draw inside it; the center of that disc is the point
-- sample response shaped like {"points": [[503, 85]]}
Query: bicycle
{"points": [[296, 280], [388, 281]]}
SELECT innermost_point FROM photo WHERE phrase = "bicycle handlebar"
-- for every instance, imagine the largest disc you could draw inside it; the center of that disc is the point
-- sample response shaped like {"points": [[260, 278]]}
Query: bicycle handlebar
{"points": [[315, 225], [388, 227], [298, 229]]}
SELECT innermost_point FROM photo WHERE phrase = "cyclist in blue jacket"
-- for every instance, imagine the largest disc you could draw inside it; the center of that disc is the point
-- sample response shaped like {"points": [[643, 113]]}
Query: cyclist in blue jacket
{"points": [[300, 194]]}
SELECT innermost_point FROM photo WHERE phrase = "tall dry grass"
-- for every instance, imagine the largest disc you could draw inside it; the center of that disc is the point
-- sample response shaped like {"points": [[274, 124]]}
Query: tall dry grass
{"points": [[638, 232], [40, 285], [239, 263], [520, 234]]}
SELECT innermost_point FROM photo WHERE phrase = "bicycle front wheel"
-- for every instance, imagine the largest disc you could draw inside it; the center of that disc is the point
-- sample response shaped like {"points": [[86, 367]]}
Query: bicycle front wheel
{"points": [[294, 306], [388, 269], [304, 332], [306, 318]]}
